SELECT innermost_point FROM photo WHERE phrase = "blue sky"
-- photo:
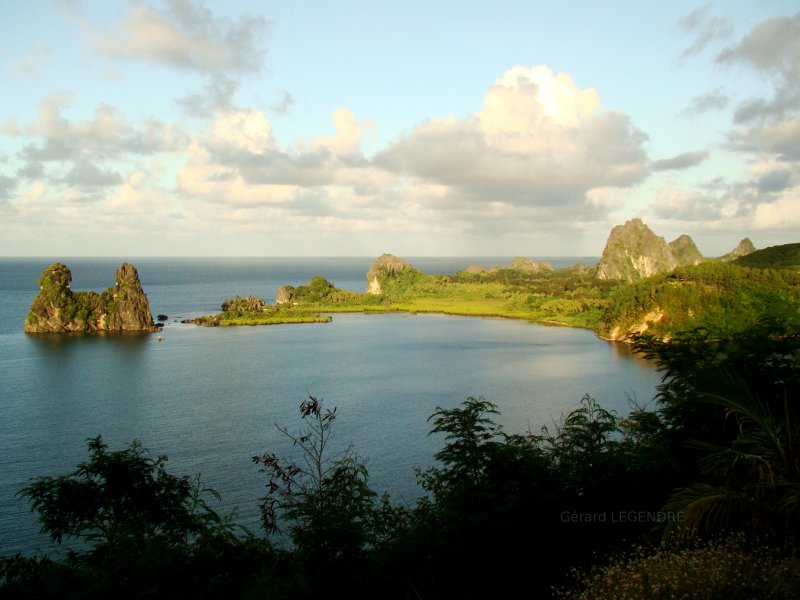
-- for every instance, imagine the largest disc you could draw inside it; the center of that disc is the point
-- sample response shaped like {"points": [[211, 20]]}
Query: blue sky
{"points": [[419, 128]]}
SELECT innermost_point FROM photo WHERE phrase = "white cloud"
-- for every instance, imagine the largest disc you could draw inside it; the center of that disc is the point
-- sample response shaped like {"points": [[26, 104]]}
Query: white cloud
{"points": [[677, 204], [782, 214], [538, 140], [184, 35]]}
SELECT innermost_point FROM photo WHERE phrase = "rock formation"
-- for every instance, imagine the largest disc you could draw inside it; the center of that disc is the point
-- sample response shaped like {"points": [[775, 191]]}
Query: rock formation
{"points": [[634, 252], [249, 303], [57, 309], [685, 251], [526, 264], [474, 269], [743, 248], [385, 266], [285, 294]]}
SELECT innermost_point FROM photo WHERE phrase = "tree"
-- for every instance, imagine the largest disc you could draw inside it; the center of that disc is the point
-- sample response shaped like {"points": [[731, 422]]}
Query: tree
{"points": [[332, 515], [124, 497], [732, 411], [138, 531]]}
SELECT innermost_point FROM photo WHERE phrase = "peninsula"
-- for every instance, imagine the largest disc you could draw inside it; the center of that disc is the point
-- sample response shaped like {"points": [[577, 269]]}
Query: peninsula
{"points": [[642, 284]]}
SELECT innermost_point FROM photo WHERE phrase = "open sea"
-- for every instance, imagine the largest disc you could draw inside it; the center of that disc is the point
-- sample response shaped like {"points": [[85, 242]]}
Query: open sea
{"points": [[210, 398]]}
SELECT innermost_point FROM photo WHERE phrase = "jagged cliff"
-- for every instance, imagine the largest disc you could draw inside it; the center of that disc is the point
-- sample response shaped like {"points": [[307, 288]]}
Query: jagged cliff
{"points": [[634, 252], [57, 309], [384, 267]]}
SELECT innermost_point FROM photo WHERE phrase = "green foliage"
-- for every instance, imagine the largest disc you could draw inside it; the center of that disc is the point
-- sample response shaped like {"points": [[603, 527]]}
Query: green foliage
{"points": [[732, 411], [139, 531], [786, 256], [332, 514], [122, 498], [248, 304], [724, 298], [468, 433]]}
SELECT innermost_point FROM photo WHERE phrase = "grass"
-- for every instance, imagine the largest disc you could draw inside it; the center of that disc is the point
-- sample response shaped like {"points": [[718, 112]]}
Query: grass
{"points": [[431, 294], [252, 319]]}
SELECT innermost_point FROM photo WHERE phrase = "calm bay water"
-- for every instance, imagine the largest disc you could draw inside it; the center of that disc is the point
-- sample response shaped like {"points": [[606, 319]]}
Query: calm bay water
{"points": [[210, 398]]}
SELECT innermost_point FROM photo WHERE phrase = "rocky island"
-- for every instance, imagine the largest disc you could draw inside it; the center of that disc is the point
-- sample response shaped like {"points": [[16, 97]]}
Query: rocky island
{"points": [[58, 309]]}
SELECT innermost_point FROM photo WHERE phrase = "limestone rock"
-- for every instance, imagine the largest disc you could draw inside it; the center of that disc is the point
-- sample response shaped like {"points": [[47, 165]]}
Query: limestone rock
{"points": [[685, 251], [633, 252], [57, 309], [128, 308], [285, 294], [526, 264], [247, 304], [743, 248], [385, 266], [475, 269]]}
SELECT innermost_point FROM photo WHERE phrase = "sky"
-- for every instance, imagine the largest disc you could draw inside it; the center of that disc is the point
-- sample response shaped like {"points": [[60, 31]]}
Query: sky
{"points": [[420, 128]]}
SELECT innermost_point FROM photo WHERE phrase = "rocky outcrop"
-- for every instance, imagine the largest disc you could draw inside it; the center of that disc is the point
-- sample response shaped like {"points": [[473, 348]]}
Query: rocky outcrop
{"points": [[249, 303], [526, 264], [285, 295], [685, 252], [620, 334], [474, 269], [384, 267], [743, 248], [57, 309], [634, 252]]}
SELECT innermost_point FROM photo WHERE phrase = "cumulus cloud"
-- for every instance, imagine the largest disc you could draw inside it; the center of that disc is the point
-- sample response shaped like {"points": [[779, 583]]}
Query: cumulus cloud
{"points": [[86, 174], [540, 152], [780, 138], [539, 140], [780, 214], [681, 161], [674, 203], [68, 162], [106, 134]]}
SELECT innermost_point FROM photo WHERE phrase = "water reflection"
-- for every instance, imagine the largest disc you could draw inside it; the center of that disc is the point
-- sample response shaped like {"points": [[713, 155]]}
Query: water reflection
{"points": [[124, 341]]}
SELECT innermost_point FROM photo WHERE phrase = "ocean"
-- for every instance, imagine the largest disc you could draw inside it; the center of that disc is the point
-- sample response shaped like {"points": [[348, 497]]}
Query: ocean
{"points": [[210, 398]]}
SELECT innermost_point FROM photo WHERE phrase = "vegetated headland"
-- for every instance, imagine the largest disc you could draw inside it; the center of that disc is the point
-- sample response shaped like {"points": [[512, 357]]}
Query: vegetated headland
{"points": [[641, 284]]}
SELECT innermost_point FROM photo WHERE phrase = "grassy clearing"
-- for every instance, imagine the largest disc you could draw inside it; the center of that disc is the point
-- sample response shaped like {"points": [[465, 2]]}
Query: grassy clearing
{"points": [[544, 301], [252, 319]]}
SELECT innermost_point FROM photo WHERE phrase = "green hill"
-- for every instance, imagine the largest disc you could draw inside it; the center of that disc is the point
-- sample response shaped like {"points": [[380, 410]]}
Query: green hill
{"points": [[786, 256], [722, 297]]}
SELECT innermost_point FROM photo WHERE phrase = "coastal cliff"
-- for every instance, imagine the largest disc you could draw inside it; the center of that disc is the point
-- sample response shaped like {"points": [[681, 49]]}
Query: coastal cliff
{"points": [[57, 309]]}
